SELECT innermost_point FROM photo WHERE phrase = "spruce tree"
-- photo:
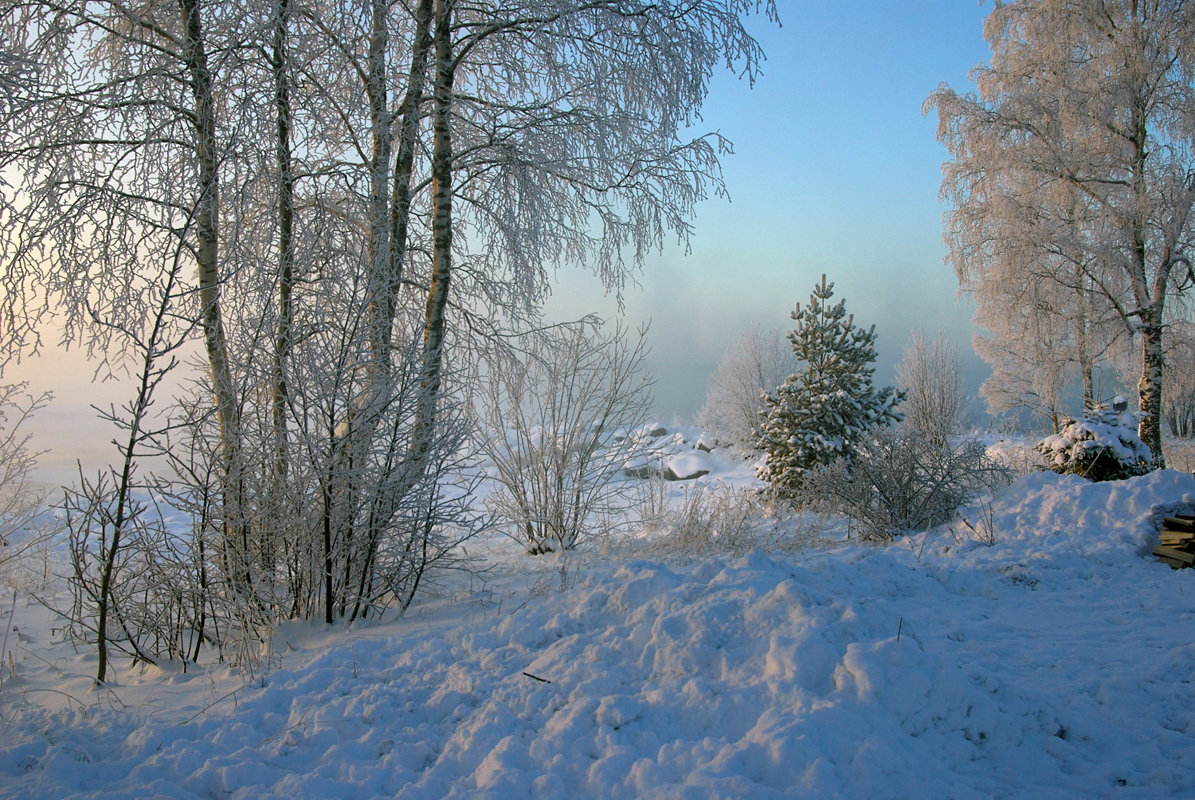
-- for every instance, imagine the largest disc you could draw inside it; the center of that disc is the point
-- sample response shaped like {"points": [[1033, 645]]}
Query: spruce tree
{"points": [[821, 413]]}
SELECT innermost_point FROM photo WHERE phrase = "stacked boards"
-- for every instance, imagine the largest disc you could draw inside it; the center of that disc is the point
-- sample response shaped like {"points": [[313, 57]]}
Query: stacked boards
{"points": [[1176, 541]]}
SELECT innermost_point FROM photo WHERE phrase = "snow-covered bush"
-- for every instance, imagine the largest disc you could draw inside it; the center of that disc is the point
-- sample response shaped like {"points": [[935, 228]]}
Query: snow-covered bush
{"points": [[901, 481], [1103, 446], [821, 414], [559, 421]]}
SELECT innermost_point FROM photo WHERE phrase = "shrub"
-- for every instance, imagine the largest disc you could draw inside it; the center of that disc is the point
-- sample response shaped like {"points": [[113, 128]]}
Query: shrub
{"points": [[550, 421], [703, 518], [901, 481]]}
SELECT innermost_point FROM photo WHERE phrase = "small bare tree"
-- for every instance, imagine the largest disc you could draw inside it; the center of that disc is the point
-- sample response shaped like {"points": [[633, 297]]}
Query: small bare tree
{"points": [[930, 373], [110, 518], [734, 409], [559, 425]]}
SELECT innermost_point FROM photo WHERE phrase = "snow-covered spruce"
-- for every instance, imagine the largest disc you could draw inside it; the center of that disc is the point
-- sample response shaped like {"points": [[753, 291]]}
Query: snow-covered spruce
{"points": [[1103, 446], [821, 413]]}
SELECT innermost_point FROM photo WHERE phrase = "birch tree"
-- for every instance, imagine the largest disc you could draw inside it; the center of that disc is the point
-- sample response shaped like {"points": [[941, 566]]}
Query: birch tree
{"points": [[1082, 124]]}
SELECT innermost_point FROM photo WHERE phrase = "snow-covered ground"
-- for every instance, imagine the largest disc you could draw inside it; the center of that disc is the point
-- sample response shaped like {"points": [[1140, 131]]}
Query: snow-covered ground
{"points": [[1054, 662]]}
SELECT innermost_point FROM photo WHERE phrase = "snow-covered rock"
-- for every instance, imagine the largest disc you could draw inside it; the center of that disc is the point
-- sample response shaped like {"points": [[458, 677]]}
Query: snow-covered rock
{"points": [[687, 466]]}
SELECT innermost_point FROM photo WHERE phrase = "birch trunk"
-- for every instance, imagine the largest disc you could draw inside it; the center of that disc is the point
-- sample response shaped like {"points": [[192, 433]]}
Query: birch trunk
{"points": [[1149, 387], [1150, 299], [379, 184], [437, 294], [283, 339], [404, 163], [207, 257]]}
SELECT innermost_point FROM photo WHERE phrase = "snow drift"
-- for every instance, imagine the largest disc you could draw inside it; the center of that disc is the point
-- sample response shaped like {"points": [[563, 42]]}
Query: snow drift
{"points": [[1051, 663]]}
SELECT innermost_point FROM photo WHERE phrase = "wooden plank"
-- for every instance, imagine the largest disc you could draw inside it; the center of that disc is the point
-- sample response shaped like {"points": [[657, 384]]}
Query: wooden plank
{"points": [[1170, 532], [1179, 524], [1177, 555], [1173, 564]]}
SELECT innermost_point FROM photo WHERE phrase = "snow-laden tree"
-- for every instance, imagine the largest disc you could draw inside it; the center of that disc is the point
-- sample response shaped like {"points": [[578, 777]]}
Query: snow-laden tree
{"points": [[822, 412], [1101, 446], [1076, 155], [754, 364]]}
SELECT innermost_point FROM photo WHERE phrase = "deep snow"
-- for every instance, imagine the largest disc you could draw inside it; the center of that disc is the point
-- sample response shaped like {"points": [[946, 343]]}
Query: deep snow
{"points": [[1055, 662]]}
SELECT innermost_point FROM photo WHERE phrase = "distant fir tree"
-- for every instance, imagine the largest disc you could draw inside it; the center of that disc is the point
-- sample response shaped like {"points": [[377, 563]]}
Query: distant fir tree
{"points": [[821, 413]]}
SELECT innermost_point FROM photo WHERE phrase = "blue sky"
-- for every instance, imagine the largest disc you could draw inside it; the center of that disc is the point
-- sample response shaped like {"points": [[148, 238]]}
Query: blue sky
{"points": [[835, 170]]}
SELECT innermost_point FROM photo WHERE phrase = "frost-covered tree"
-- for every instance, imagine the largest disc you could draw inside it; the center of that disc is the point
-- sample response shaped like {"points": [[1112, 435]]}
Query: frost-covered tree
{"points": [[1035, 347], [20, 498], [734, 408], [1045, 327], [1076, 154], [302, 172], [1179, 400], [930, 374], [821, 413]]}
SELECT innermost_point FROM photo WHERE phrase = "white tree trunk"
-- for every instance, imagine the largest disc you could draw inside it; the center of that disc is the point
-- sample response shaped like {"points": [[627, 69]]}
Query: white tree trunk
{"points": [[437, 295], [207, 255]]}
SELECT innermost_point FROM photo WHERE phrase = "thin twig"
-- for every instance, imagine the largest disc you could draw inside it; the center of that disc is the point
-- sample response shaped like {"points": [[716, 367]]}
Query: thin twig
{"points": [[209, 705]]}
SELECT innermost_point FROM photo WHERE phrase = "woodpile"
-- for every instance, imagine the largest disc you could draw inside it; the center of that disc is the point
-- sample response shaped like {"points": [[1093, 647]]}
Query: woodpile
{"points": [[1176, 541]]}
